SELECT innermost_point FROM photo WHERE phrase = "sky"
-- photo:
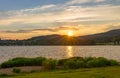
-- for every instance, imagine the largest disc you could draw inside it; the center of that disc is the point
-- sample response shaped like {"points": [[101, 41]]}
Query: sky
{"points": [[22, 19]]}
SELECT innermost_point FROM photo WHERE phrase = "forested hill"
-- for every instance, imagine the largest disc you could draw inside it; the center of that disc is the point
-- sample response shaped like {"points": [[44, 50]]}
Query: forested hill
{"points": [[106, 37], [109, 37]]}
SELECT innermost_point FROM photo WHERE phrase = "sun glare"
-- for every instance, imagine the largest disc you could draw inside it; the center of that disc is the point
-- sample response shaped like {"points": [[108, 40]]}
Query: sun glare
{"points": [[70, 33]]}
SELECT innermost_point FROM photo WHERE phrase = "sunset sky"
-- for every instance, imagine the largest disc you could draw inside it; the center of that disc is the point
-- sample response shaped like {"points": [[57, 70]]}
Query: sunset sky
{"points": [[21, 19]]}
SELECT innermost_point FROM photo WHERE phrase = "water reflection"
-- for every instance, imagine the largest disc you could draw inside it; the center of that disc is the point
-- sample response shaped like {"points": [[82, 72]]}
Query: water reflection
{"points": [[59, 52], [69, 51]]}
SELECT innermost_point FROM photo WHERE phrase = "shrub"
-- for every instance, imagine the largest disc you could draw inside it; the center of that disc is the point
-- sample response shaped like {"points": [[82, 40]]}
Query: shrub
{"points": [[71, 63], [76, 58], [38, 61], [17, 62], [91, 63], [74, 64], [113, 62], [87, 62], [16, 70], [50, 64], [61, 62], [101, 62], [3, 75], [86, 59], [82, 64]]}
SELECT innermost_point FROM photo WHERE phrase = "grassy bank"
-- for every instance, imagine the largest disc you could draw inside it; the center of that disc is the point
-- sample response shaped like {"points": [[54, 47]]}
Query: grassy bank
{"points": [[85, 64], [104, 72]]}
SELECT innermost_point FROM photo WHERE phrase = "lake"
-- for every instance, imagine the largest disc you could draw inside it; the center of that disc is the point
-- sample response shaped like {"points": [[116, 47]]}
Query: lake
{"points": [[59, 52]]}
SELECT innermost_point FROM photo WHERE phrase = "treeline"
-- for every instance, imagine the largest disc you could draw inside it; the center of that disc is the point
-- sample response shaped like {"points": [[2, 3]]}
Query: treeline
{"points": [[106, 38], [63, 40], [50, 40]]}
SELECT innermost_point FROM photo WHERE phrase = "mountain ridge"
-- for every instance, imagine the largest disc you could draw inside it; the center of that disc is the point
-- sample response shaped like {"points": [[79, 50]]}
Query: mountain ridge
{"points": [[111, 36]]}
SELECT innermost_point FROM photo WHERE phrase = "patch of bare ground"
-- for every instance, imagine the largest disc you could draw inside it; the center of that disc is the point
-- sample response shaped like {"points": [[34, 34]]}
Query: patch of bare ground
{"points": [[9, 71]]}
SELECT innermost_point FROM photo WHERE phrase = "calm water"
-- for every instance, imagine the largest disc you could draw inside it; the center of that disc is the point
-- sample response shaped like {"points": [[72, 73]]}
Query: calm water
{"points": [[58, 52]]}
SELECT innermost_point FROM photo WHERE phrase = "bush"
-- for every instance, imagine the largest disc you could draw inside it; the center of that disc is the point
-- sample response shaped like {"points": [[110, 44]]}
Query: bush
{"points": [[87, 62], [71, 63], [82, 64], [74, 64], [86, 59], [113, 63], [3, 75], [50, 64], [16, 70], [17, 62], [61, 62], [38, 61], [101, 62]]}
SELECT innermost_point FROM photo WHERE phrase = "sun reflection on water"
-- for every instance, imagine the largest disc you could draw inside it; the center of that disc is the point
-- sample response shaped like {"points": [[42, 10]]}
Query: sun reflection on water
{"points": [[69, 51]]}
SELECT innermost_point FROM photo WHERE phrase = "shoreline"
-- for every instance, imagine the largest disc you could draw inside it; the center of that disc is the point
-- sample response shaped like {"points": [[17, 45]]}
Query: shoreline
{"points": [[22, 64]]}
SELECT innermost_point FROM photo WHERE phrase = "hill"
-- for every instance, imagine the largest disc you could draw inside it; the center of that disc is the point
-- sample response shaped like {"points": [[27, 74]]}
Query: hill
{"points": [[106, 37], [110, 37]]}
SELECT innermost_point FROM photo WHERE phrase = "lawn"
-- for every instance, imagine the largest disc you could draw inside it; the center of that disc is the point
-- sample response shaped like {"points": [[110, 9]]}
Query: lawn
{"points": [[104, 72]]}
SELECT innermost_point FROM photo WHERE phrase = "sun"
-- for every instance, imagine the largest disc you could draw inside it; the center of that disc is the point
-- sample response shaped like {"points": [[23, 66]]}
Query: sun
{"points": [[70, 33]]}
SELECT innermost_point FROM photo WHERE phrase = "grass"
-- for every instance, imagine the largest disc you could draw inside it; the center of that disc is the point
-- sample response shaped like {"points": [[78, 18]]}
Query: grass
{"points": [[75, 67], [103, 72]]}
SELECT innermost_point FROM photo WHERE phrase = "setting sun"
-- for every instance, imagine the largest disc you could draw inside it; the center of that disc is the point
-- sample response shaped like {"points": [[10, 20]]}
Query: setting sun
{"points": [[70, 33]]}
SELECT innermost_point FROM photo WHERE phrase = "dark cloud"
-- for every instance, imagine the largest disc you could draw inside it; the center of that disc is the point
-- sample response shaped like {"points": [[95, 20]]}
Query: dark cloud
{"points": [[47, 29], [18, 31]]}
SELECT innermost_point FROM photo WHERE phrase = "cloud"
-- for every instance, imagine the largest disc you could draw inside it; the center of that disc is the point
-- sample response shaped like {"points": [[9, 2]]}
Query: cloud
{"points": [[50, 29], [28, 11], [76, 28], [18, 31], [97, 13], [55, 18], [71, 2], [38, 9]]}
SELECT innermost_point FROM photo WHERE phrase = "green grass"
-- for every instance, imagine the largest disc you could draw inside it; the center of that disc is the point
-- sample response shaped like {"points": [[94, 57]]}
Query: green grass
{"points": [[104, 72]]}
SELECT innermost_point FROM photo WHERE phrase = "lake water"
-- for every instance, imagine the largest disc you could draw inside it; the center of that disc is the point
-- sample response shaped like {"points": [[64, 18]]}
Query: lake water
{"points": [[59, 52]]}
